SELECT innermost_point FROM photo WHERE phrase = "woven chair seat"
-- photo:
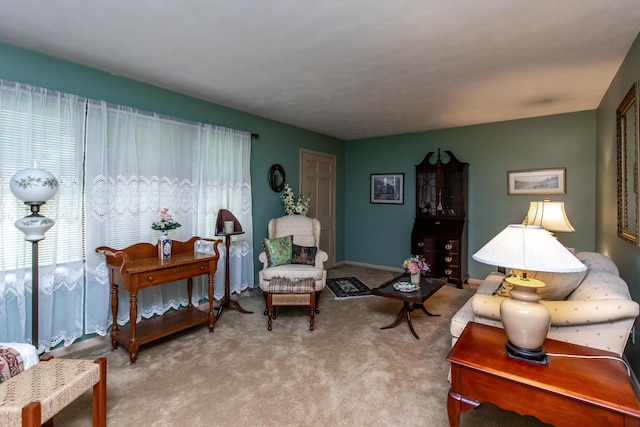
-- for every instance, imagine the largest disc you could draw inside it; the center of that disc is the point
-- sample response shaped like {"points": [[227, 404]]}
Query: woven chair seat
{"points": [[283, 285], [54, 383]]}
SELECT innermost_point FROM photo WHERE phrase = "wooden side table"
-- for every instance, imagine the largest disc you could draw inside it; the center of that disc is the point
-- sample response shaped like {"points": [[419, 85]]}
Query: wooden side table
{"points": [[568, 392], [137, 267], [224, 215], [410, 300], [227, 301]]}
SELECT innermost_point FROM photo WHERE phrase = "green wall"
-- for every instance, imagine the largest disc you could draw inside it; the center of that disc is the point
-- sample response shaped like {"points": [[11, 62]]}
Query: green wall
{"points": [[380, 234], [626, 256], [278, 143]]}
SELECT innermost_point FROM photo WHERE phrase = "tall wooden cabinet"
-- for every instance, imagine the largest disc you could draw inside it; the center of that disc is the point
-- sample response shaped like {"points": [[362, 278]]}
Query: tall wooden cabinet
{"points": [[439, 231]]}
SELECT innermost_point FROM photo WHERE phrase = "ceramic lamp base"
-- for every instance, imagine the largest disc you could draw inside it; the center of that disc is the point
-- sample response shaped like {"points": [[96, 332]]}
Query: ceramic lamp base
{"points": [[526, 321]]}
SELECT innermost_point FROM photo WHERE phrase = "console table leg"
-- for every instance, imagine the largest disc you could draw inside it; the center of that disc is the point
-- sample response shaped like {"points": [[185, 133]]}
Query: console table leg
{"points": [[114, 311], [133, 318], [212, 316]]}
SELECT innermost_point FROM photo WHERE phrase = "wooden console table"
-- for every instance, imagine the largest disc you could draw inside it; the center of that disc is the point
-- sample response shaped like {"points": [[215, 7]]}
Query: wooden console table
{"points": [[138, 267], [568, 392]]}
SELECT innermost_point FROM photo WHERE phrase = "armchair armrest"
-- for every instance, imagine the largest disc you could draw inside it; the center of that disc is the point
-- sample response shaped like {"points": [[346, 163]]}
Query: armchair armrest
{"points": [[321, 257], [565, 313], [263, 259]]}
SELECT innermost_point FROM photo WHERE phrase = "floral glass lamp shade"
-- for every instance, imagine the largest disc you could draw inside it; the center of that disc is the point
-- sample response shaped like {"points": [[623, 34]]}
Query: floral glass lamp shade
{"points": [[34, 186], [527, 248]]}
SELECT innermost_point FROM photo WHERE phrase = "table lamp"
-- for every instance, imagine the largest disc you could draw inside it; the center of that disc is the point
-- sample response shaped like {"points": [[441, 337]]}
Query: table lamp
{"points": [[34, 186], [527, 248], [549, 215]]}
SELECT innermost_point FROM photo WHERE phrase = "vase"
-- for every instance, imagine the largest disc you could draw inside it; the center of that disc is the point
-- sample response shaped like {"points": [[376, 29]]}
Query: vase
{"points": [[164, 245], [415, 278]]}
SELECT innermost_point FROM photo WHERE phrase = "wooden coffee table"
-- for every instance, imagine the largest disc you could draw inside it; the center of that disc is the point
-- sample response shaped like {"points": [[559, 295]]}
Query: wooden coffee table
{"points": [[568, 392], [410, 300]]}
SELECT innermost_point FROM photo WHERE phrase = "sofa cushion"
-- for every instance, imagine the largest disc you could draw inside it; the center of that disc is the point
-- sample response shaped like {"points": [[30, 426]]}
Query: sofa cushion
{"points": [[557, 287], [278, 250], [598, 262], [293, 271], [303, 254], [601, 285]]}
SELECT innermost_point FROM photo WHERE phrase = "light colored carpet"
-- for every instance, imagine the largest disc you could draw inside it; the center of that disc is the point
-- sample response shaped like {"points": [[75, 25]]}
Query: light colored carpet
{"points": [[347, 372]]}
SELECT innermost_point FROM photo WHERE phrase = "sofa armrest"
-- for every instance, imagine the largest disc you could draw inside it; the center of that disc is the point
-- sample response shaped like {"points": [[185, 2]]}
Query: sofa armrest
{"points": [[487, 306], [574, 313], [565, 313]]}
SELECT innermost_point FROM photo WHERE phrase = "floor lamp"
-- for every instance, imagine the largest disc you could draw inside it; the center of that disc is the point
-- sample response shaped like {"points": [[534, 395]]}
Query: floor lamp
{"points": [[34, 186]]}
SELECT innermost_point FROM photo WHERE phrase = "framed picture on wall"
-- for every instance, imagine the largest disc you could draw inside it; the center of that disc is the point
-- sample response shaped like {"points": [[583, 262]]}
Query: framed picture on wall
{"points": [[537, 181], [387, 188]]}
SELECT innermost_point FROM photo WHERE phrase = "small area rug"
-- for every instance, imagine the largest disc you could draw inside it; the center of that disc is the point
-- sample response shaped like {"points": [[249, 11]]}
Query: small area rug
{"points": [[348, 287]]}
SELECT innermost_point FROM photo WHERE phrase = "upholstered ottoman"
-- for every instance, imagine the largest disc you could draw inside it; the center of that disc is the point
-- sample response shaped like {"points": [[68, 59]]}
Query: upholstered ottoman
{"points": [[283, 291], [34, 396]]}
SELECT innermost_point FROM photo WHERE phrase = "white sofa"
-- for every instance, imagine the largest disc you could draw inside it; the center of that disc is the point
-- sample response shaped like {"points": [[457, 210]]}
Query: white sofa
{"points": [[599, 313]]}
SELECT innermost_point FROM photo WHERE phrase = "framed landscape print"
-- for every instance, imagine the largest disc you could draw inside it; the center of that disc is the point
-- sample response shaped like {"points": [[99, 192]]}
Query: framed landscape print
{"points": [[537, 181], [387, 188]]}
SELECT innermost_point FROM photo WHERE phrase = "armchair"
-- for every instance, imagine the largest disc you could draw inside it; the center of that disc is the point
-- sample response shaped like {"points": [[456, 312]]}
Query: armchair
{"points": [[306, 234]]}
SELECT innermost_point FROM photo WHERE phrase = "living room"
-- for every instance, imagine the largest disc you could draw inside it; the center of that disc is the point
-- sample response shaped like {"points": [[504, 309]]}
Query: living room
{"points": [[583, 142]]}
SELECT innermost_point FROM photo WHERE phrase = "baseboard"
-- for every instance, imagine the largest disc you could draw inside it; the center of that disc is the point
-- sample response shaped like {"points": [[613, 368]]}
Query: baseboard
{"points": [[366, 265]]}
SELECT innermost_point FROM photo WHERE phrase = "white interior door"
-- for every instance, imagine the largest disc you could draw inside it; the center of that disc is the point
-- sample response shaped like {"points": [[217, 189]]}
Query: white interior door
{"points": [[318, 179]]}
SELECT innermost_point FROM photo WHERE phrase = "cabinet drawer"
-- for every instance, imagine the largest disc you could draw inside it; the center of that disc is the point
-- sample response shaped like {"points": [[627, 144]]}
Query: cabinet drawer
{"points": [[451, 259], [430, 245], [173, 273], [453, 271], [452, 246]]}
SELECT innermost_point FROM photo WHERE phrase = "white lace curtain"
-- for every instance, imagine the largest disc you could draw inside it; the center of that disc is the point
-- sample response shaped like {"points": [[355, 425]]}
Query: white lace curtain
{"points": [[136, 164], [139, 163]]}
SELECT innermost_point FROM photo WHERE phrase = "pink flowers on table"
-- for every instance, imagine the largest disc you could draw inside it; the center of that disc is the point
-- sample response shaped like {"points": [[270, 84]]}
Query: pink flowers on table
{"points": [[164, 221], [415, 264]]}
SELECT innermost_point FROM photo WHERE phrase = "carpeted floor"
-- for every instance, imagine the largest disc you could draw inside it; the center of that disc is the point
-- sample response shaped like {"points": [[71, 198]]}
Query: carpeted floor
{"points": [[348, 372]]}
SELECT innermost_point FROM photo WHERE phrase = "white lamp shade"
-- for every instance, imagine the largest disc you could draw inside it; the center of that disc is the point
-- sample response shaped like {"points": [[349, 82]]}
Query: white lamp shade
{"points": [[33, 185], [528, 247], [549, 215]]}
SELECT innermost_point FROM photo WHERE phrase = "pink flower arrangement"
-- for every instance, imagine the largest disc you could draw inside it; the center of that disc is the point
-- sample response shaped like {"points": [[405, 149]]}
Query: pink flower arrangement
{"points": [[164, 221], [415, 264]]}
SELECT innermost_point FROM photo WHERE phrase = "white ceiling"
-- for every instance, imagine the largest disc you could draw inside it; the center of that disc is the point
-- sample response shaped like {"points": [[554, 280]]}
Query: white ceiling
{"points": [[348, 68]]}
